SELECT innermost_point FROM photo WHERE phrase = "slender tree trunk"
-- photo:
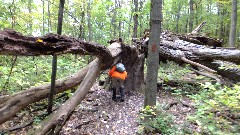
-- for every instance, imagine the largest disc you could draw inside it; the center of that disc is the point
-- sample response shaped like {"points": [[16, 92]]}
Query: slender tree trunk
{"points": [[120, 22], [30, 13], [54, 60], [130, 22], [191, 15], [89, 20], [232, 34], [135, 19], [222, 13], [153, 53], [49, 18], [178, 17], [43, 17], [141, 29], [90, 36], [81, 27]]}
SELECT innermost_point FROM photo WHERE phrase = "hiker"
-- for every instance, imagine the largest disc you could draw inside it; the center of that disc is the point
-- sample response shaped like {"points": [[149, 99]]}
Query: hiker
{"points": [[118, 74]]}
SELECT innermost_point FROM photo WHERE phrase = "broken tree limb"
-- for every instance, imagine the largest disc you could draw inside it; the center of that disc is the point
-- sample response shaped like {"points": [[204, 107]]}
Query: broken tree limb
{"points": [[197, 64], [58, 119], [15, 102], [198, 28], [208, 75]]}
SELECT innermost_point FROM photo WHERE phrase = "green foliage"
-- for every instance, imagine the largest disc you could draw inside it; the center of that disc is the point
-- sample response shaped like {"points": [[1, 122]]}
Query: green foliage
{"points": [[32, 71], [212, 102], [171, 71], [158, 122]]}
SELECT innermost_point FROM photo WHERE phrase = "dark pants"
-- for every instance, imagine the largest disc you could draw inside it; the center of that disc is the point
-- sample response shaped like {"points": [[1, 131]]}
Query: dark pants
{"points": [[117, 84]]}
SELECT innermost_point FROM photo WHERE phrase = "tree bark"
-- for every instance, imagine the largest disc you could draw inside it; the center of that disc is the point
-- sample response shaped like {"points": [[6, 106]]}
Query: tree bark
{"points": [[58, 119], [153, 53], [54, 58], [232, 34], [12, 104], [135, 19], [191, 14]]}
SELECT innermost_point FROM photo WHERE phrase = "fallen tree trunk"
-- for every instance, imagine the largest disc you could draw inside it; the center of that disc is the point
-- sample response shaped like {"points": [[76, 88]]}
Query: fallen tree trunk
{"points": [[14, 43], [15, 103], [57, 119]]}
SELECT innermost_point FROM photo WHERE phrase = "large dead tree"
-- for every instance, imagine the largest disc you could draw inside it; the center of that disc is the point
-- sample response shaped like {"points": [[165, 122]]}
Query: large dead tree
{"points": [[14, 43]]}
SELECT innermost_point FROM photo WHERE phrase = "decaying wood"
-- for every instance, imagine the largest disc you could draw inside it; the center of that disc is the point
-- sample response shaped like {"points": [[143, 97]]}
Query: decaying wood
{"points": [[15, 102], [58, 119], [14, 43]]}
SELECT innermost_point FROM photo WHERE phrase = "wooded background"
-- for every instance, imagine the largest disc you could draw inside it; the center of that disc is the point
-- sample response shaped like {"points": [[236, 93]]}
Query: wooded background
{"points": [[101, 20]]}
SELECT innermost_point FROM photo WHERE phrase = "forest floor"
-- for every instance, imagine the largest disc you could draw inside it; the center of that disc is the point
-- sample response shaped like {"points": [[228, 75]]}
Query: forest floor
{"points": [[99, 115]]}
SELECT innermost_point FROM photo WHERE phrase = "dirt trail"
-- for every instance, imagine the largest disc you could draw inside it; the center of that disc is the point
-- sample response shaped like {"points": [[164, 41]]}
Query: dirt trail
{"points": [[99, 115]]}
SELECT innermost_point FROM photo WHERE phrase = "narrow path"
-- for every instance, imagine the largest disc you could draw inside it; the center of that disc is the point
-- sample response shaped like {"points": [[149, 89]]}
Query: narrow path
{"points": [[99, 115]]}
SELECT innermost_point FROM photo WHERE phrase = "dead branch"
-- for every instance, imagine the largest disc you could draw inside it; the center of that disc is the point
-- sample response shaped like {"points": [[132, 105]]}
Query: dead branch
{"points": [[197, 64], [208, 75], [19, 126], [198, 28], [58, 119]]}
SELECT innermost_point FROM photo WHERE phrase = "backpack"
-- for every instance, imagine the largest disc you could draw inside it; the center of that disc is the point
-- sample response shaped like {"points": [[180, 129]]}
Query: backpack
{"points": [[120, 67]]}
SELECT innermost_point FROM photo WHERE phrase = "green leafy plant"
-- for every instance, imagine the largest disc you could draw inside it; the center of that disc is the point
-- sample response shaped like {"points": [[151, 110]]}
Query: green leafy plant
{"points": [[158, 122], [215, 106]]}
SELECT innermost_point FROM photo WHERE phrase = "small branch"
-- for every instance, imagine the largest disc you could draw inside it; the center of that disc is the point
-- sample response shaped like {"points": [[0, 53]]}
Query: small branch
{"points": [[19, 126], [197, 64], [198, 28], [10, 73], [208, 75]]}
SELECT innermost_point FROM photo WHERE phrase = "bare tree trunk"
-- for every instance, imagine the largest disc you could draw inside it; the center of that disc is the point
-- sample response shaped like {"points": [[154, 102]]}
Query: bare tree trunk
{"points": [[30, 13], [89, 21], [81, 27], [43, 17], [178, 17], [191, 15], [135, 19], [49, 18], [54, 59], [232, 34], [153, 53], [120, 22]]}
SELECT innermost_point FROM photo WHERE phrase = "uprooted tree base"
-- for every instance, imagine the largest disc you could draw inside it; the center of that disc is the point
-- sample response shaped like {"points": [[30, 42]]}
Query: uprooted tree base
{"points": [[180, 51]]}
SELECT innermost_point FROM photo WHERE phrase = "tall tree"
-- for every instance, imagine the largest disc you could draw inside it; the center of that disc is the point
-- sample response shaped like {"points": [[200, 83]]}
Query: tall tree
{"points": [[135, 19], [191, 15], [232, 34], [54, 60], [43, 17], [153, 53], [89, 20]]}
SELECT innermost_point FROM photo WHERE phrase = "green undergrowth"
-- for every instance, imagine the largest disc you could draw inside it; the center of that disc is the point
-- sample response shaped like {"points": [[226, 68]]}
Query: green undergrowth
{"points": [[33, 71], [159, 121], [217, 110]]}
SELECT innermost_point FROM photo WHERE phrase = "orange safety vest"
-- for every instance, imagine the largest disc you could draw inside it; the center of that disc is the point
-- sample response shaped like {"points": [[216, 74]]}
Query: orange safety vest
{"points": [[115, 74]]}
